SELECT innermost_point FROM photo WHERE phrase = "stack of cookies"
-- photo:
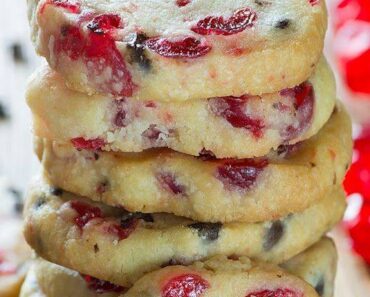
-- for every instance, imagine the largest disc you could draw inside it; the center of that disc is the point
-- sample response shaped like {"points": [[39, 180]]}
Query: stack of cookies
{"points": [[190, 148]]}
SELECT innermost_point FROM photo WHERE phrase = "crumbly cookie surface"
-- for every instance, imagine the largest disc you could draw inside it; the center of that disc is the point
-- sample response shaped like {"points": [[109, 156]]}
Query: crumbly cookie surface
{"points": [[227, 127], [288, 180], [159, 50]]}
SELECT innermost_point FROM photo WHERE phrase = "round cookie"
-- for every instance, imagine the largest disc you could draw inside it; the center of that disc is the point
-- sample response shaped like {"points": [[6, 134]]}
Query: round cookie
{"points": [[120, 247], [243, 127], [47, 279], [317, 266], [169, 52], [14, 252], [250, 190]]}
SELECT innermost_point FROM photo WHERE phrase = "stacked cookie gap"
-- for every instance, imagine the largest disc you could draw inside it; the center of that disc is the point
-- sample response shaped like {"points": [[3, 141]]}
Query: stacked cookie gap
{"points": [[189, 149]]}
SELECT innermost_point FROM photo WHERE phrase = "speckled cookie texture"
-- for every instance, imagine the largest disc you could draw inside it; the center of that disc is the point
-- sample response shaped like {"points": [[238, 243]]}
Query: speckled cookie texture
{"points": [[160, 50], [14, 252], [231, 277], [111, 244], [250, 190], [240, 127]]}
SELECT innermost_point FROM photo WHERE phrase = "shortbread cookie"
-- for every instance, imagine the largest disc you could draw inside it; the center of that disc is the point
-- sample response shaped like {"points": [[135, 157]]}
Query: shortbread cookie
{"points": [[243, 127], [317, 266], [250, 190], [169, 52], [120, 247], [14, 251], [227, 276]]}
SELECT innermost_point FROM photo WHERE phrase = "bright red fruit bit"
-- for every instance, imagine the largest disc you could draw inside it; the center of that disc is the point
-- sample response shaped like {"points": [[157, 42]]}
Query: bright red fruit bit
{"points": [[240, 174], [276, 293], [85, 212], [71, 6], [169, 182], [122, 231], [232, 109], [101, 286], [186, 285], [359, 229], [81, 143], [314, 2], [185, 47], [182, 2], [218, 25]]}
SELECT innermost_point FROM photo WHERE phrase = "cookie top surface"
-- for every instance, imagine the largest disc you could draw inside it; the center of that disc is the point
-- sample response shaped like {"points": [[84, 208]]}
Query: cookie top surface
{"points": [[160, 50]]}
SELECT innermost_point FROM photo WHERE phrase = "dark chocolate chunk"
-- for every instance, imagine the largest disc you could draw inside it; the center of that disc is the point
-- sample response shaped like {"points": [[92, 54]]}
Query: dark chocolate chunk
{"points": [[207, 231], [137, 47], [56, 191], [283, 24], [273, 235], [127, 218], [320, 286]]}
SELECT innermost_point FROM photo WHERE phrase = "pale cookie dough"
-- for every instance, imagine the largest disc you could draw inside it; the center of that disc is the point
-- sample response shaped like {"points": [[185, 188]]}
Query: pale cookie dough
{"points": [[243, 127], [111, 244], [231, 277], [250, 190], [163, 51]]}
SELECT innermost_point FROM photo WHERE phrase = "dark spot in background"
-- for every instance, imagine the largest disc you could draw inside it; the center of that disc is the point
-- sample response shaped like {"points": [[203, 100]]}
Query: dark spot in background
{"points": [[18, 206], [3, 112], [17, 53]]}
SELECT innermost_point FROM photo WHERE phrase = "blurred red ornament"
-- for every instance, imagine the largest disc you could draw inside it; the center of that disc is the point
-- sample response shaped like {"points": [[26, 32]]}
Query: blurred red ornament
{"points": [[352, 10], [358, 177], [352, 43], [359, 231]]}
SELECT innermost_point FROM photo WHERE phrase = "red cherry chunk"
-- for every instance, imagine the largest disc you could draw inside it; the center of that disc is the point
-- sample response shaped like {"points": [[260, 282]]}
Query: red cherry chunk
{"points": [[85, 212], [69, 5], [186, 285], [103, 23], [232, 109], [240, 174], [182, 2], [123, 230], [314, 2], [276, 293], [218, 25], [170, 183], [185, 47], [304, 97], [81, 143], [101, 286]]}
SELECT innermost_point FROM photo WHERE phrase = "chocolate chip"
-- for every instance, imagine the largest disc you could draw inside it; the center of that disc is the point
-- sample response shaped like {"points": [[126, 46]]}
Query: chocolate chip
{"points": [[262, 2], [273, 235], [206, 155], [207, 231], [17, 53], [40, 202], [96, 156], [3, 113], [136, 47], [127, 218], [283, 24], [102, 187], [96, 248], [56, 191], [320, 287]]}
